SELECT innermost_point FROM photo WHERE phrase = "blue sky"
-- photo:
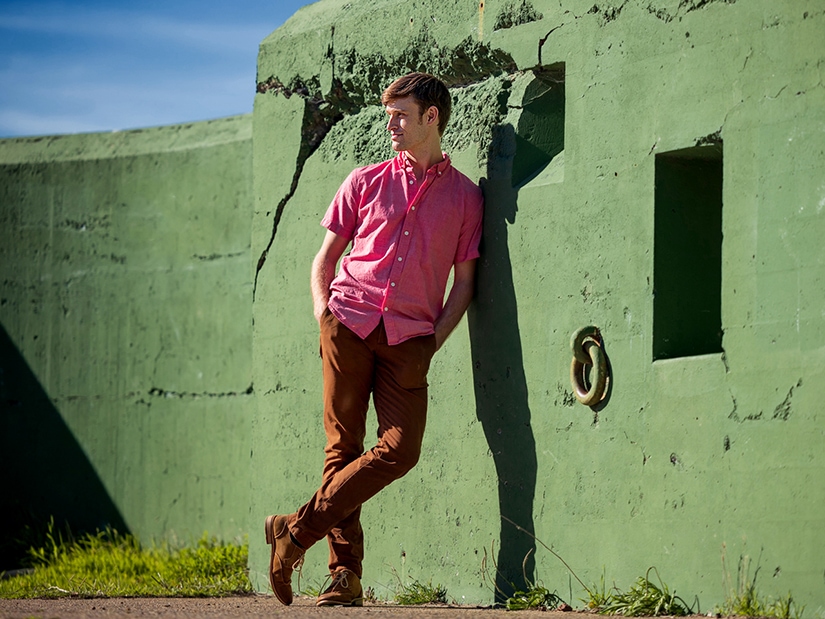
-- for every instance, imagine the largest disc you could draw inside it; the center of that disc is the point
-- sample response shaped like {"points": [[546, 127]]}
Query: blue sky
{"points": [[86, 65]]}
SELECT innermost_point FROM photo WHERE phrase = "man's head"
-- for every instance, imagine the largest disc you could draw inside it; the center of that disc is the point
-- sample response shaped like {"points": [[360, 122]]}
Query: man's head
{"points": [[428, 91]]}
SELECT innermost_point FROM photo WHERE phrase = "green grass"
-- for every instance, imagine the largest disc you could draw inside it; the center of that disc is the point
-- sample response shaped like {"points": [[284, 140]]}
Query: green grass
{"points": [[743, 600], [597, 596], [417, 592], [109, 564], [414, 592], [644, 599], [536, 597]]}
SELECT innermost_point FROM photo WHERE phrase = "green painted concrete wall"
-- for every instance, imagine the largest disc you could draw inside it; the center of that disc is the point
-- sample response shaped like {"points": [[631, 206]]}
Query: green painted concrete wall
{"points": [[562, 110], [159, 355], [125, 373]]}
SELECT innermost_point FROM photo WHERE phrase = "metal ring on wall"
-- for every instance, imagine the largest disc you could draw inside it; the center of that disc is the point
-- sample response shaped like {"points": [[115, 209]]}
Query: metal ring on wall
{"points": [[586, 344]]}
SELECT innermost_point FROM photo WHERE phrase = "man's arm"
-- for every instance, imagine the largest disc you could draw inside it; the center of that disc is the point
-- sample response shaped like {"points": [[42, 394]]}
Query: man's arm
{"points": [[458, 300], [323, 270]]}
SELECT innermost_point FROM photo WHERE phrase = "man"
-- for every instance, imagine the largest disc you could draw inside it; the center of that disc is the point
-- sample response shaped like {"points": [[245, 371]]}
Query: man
{"points": [[411, 220]]}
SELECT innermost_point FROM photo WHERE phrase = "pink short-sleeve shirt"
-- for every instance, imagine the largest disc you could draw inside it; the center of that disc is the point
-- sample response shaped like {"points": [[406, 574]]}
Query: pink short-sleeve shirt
{"points": [[406, 237]]}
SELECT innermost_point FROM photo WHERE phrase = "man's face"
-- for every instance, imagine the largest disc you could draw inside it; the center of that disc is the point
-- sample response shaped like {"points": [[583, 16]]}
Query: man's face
{"points": [[408, 127]]}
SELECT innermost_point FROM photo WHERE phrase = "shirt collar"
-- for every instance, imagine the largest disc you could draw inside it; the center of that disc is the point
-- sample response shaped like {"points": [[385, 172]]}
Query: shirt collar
{"points": [[439, 168]]}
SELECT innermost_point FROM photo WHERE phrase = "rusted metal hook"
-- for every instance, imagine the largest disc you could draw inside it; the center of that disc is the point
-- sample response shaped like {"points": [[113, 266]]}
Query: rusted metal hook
{"points": [[586, 344]]}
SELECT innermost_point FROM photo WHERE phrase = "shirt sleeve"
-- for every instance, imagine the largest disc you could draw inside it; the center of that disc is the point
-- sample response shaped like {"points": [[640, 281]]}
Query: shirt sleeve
{"points": [[342, 215], [470, 236]]}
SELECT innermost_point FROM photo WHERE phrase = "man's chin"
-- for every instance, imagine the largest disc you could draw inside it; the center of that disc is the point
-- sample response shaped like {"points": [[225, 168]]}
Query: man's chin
{"points": [[397, 147]]}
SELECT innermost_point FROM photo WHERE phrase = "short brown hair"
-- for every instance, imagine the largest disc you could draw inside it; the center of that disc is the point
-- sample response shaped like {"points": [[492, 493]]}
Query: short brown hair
{"points": [[427, 90]]}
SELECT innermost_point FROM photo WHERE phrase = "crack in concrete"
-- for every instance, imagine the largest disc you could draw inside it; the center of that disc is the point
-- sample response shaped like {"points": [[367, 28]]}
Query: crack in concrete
{"points": [[543, 40], [163, 393], [690, 6], [713, 139], [357, 81], [317, 123], [695, 5], [212, 257], [782, 411]]}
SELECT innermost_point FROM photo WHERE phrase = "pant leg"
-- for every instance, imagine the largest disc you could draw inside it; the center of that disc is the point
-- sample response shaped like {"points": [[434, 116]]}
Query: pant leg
{"points": [[400, 397], [348, 374]]}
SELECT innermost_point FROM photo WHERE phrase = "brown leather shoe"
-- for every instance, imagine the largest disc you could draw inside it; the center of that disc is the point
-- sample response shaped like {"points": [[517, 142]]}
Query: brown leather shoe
{"points": [[345, 590], [285, 556]]}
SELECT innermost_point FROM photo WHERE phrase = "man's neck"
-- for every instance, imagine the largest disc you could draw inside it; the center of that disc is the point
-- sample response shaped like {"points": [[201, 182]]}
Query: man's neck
{"points": [[423, 159]]}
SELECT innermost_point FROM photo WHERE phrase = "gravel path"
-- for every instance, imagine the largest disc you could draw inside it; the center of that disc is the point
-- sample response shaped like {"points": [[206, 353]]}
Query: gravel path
{"points": [[248, 606]]}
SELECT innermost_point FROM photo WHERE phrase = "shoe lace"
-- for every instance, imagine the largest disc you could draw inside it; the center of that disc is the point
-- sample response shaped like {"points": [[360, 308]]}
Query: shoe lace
{"points": [[298, 567], [340, 578]]}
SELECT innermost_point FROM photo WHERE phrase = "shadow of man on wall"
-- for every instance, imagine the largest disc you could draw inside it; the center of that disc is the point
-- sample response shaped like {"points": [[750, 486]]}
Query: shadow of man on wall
{"points": [[498, 372]]}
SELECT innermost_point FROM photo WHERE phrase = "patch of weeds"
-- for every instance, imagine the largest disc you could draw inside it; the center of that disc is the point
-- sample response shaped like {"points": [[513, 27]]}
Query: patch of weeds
{"points": [[370, 595], [110, 564], [645, 598], [534, 591], [535, 597], [743, 600], [417, 592], [597, 596], [311, 590]]}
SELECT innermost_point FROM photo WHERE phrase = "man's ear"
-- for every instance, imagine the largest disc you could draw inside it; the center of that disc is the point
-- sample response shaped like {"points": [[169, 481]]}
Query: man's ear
{"points": [[432, 115]]}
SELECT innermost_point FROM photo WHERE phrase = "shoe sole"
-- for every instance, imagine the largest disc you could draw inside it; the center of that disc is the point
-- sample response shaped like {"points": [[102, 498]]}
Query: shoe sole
{"points": [[270, 539], [355, 602]]}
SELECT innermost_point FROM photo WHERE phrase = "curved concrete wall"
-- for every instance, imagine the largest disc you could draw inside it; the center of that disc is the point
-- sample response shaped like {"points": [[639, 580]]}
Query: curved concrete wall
{"points": [[126, 364]]}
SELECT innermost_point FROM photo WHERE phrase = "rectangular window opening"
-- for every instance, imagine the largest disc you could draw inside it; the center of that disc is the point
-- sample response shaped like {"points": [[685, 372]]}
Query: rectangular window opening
{"points": [[687, 258]]}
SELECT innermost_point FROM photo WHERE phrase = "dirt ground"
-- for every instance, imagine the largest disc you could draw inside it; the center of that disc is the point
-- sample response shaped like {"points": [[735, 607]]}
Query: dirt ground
{"points": [[248, 606]]}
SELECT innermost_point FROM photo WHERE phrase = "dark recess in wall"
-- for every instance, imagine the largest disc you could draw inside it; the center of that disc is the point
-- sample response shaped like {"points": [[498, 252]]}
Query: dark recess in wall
{"points": [[687, 265]]}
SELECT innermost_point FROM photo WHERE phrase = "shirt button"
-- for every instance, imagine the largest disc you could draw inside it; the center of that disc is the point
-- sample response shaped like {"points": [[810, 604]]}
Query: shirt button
{"points": [[386, 308], [411, 181], [400, 258], [406, 233], [392, 284], [412, 208]]}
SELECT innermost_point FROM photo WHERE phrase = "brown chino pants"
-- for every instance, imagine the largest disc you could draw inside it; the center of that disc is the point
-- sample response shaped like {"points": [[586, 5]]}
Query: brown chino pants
{"points": [[397, 378]]}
